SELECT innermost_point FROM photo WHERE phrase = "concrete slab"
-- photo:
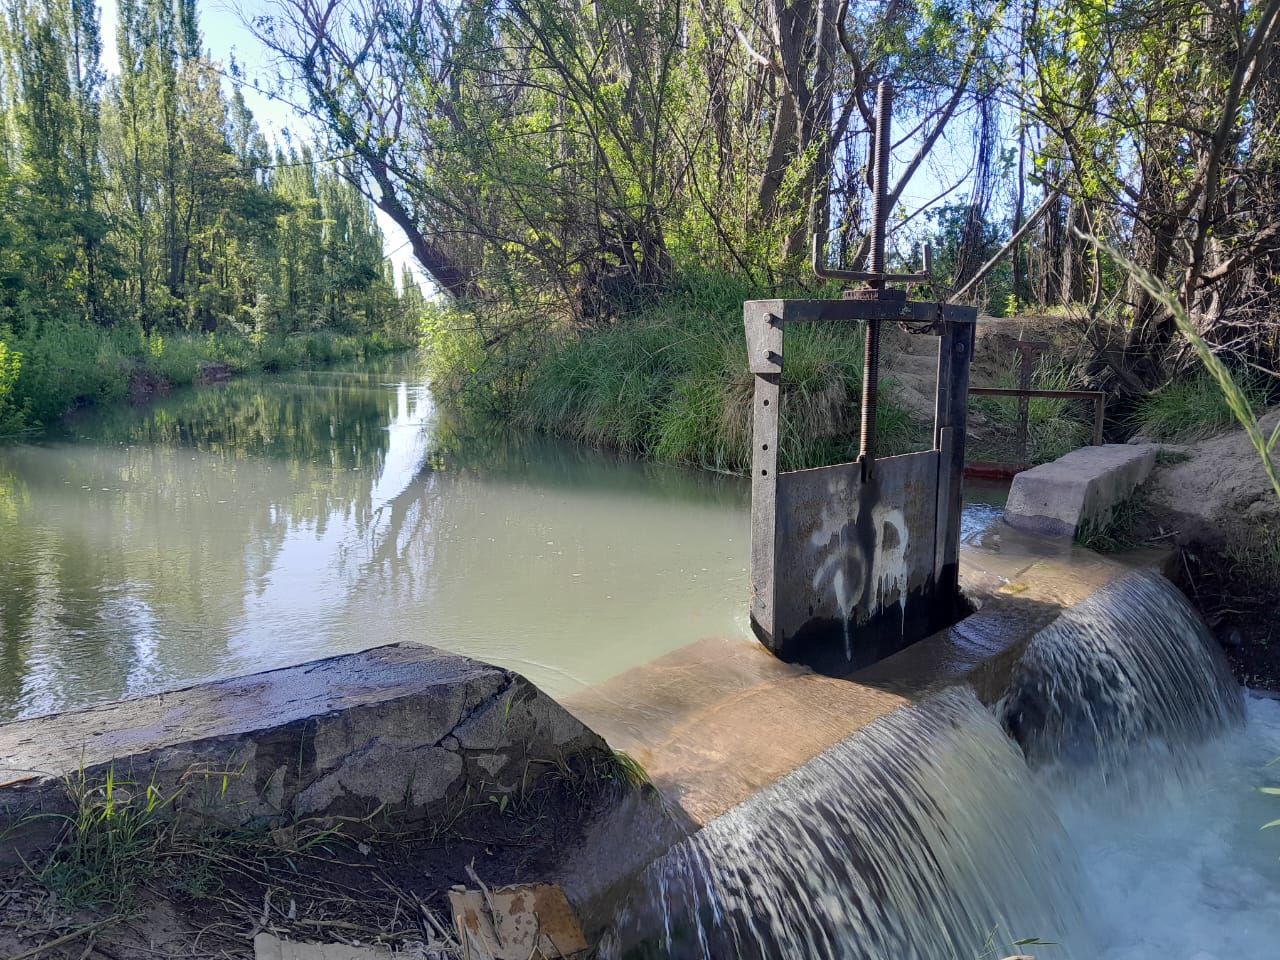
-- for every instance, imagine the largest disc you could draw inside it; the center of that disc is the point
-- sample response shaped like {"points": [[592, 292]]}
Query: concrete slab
{"points": [[1057, 499], [405, 729]]}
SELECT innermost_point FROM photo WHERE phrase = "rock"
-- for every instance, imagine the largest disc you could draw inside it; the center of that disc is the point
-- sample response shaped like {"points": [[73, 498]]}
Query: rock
{"points": [[516, 923], [404, 729]]}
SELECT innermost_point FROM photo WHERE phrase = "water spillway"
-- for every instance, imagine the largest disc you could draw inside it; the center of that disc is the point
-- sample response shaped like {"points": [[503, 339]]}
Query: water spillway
{"points": [[931, 832], [909, 839], [1131, 673]]}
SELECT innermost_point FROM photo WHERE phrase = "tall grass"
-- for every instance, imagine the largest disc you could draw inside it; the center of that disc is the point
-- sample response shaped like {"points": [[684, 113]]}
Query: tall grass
{"points": [[1186, 410], [1055, 426], [672, 382]]}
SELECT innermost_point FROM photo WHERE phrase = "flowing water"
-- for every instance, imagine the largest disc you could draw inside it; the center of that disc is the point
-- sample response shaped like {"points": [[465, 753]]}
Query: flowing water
{"points": [[1118, 687], [1126, 826], [917, 838]]}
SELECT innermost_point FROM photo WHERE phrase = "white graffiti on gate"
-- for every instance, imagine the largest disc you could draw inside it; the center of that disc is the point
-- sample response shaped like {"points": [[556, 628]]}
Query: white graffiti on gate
{"points": [[844, 559]]}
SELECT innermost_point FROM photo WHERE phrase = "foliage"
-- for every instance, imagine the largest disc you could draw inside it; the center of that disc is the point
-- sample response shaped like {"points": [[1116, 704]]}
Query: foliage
{"points": [[148, 205], [1190, 409], [10, 414], [1237, 397], [72, 363], [671, 382], [586, 155], [564, 166]]}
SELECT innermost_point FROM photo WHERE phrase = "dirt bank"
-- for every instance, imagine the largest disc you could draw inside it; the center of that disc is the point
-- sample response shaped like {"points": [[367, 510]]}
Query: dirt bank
{"points": [[209, 897], [1216, 502]]}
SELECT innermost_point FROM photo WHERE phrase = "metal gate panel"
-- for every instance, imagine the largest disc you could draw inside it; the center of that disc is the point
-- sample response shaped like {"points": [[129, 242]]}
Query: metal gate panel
{"points": [[855, 558], [853, 562]]}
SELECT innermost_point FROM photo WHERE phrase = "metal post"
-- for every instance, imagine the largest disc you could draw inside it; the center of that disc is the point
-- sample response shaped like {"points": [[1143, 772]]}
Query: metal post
{"points": [[1029, 349], [879, 214]]}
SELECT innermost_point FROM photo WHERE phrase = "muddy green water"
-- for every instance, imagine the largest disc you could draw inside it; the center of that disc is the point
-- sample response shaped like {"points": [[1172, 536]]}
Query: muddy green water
{"points": [[228, 529]]}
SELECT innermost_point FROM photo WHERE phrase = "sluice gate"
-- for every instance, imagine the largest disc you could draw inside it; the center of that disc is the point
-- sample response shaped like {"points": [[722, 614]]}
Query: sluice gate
{"points": [[854, 561]]}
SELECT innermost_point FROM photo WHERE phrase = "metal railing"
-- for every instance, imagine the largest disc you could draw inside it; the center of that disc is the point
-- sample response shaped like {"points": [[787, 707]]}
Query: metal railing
{"points": [[1010, 467]]}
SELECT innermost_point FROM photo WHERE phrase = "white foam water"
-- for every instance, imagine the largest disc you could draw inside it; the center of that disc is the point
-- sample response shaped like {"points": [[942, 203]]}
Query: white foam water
{"points": [[1127, 827], [1188, 873], [1122, 687]]}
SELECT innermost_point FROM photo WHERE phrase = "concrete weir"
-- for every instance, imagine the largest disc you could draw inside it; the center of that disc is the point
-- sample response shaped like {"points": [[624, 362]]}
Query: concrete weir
{"points": [[1082, 488], [409, 729], [718, 720]]}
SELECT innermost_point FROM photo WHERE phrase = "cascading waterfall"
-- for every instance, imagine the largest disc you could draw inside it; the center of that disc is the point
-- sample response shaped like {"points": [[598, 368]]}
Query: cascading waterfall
{"points": [[929, 834], [1122, 687], [921, 836]]}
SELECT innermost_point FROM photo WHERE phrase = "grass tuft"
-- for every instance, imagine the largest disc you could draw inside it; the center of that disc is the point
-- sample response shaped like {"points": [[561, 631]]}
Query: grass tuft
{"points": [[671, 382], [1122, 529], [626, 769], [113, 840], [1186, 410], [1254, 556]]}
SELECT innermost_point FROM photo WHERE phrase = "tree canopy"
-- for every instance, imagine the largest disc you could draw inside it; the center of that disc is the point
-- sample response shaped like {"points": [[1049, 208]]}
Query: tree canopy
{"points": [[152, 197], [575, 157]]}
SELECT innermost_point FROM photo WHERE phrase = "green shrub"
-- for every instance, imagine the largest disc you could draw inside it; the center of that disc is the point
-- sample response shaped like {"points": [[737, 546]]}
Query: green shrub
{"points": [[67, 364], [64, 364], [669, 381], [1191, 409], [176, 359], [11, 418]]}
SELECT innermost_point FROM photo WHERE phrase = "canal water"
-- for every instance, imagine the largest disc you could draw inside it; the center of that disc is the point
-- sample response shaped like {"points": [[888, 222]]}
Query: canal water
{"points": [[233, 528]]}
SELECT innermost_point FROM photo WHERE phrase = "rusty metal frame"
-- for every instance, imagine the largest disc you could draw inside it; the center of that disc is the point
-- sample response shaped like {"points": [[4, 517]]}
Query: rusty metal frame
{"points": [[1007, 468]]}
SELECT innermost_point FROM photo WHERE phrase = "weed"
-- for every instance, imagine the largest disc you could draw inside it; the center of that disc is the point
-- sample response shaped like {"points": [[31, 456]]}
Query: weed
{"points": [[1185, 410], [624, 768], [1167, 458], [1121, 529], [112, 840]]}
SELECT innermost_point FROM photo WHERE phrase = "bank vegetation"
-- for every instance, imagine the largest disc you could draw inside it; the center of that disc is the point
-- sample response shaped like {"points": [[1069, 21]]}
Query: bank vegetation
{"points": [[575, 178], [147, 226]]}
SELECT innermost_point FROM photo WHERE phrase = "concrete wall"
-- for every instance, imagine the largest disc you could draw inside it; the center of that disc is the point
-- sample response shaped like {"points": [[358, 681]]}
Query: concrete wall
{"points": [[1057, 499]]}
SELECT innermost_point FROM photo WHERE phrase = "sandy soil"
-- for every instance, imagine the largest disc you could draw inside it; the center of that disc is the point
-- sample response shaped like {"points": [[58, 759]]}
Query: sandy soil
{"points": [[1220, 484]]}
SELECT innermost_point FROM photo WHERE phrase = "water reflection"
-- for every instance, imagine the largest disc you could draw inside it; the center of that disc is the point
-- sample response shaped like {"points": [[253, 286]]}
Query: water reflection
{"points": [[265, 522]]}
